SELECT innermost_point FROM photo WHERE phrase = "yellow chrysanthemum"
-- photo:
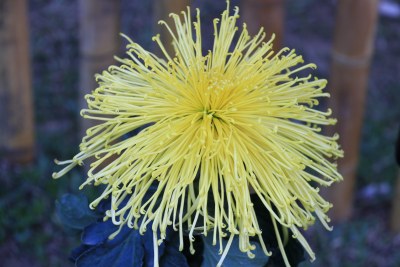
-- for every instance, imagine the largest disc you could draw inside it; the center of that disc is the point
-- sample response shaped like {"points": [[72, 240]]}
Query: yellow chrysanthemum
{"points": [[216, 127]]}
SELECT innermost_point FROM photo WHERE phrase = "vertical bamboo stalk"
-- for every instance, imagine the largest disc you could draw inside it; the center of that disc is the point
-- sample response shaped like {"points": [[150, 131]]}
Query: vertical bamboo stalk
{"points": [[99, 42], [16, 108], [352, 50], [162, 9], [265, 13], [395, 213]]}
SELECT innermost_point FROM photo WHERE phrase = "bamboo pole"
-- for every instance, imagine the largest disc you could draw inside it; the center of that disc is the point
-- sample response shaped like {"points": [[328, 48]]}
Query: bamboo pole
{"points": [[162, 9], [352, 50], [395, 213], [99, 42], [16, 108], [265, 13]]}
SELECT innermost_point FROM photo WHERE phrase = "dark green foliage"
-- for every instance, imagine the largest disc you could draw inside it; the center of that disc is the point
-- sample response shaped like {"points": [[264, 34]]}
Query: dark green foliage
{"points": [[294, 251], [398, 148], [129, 248]]}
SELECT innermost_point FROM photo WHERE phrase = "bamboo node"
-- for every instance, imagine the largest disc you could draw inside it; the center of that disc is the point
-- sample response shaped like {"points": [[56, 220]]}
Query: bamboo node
{"points": [[350, 61]]}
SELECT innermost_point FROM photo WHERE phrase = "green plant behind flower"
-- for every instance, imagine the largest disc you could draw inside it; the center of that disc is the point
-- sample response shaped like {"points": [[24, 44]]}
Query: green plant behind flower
{"points": [[233, 121]]}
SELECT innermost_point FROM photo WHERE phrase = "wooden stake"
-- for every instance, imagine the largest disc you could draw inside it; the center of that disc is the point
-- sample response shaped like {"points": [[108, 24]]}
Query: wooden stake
{"points": [[264, 13], [352, 50], [99, 42], [162, 9], [16, 108]]}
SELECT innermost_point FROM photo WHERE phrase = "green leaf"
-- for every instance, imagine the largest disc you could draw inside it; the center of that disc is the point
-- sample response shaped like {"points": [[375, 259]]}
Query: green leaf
{"points": [[74, 213], [172, 256], [128, 248], [125, 249], [234, 258]]}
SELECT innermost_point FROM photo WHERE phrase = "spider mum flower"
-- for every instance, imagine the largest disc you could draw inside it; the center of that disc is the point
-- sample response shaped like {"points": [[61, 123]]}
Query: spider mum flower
{"points": [[212, 129]]}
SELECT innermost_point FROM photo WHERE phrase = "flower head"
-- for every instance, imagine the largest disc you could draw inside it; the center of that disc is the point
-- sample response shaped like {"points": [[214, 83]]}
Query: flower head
{"points": [[212, 129]]}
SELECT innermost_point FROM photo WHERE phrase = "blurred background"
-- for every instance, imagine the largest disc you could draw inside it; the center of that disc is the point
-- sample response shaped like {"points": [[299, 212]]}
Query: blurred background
{"points": [[50, 50]]}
